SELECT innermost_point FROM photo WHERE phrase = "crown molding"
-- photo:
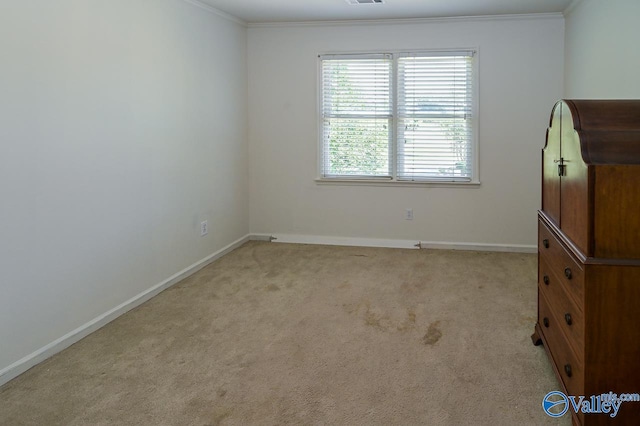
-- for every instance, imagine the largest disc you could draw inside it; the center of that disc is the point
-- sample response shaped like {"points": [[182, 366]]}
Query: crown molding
{"points": [[571, 7], [405, 21], [211, 9]]}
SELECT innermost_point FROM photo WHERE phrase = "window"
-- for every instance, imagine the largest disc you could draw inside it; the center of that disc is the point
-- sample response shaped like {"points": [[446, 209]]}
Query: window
{"points": [[402, 117]]}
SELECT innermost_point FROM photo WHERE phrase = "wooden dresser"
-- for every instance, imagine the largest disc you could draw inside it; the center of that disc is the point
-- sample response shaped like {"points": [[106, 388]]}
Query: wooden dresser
{"points": [[589, 252]]}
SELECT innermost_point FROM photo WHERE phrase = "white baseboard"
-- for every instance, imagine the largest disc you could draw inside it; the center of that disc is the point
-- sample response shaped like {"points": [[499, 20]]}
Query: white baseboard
{"points": [[29, 361], [260, 237], [509, 248], [344, 241], [392, 243]]}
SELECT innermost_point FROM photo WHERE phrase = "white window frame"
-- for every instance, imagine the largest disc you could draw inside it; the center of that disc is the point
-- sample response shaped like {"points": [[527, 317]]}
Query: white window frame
{"points": [[393, 180]]}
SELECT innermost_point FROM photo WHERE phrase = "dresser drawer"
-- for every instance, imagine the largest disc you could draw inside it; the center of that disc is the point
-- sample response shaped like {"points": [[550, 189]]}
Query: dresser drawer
{"points": [[560, 262], [570, 369], [571, 319]]}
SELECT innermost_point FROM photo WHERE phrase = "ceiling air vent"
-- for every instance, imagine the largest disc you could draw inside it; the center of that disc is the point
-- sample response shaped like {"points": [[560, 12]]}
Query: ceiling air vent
{"points": [[364, 1]]}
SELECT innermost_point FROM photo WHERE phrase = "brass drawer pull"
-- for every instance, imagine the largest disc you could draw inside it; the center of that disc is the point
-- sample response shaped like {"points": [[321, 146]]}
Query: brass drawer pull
{"points": [[567, 318], [545, 280], [567, 370], [545, 321], [545, 243], [567, 273]]}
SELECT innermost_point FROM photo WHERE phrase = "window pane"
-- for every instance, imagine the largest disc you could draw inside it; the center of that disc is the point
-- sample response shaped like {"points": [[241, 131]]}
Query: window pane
{"points": [[356, 87], [356, 113], [435, 113], [356, 147], [434, 148], [404, 116]]}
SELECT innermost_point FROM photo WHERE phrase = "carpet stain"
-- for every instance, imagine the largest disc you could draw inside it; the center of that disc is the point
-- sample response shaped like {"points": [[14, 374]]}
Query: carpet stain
{"points": [[413, 286], [433, 334], [381, 321], [219, 415], [345, 284], [375, 320], [225, 279], [272, 287], [409, 323], [527, 320], [353, 308]]}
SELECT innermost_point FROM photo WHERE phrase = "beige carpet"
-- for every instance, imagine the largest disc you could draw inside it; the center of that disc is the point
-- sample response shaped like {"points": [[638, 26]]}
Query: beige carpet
{"points": [[310, 335]]}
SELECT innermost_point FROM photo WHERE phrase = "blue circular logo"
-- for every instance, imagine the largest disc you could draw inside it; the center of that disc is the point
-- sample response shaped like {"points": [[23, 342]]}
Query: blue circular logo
{"points": [[555, 404]]}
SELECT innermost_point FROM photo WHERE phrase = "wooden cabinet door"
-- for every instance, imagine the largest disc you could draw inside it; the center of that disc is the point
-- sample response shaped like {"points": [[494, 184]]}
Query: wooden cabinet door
{"points": [[550, 163], [574, 186]]}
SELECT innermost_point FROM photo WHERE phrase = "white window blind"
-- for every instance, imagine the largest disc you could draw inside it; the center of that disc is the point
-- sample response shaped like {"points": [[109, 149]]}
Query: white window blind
{"points": [[399, 117], [435, 116], [356, 116]]}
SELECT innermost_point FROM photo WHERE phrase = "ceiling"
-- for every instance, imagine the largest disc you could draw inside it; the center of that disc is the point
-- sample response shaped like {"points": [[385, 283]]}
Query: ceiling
{"points": [[263, 11]]}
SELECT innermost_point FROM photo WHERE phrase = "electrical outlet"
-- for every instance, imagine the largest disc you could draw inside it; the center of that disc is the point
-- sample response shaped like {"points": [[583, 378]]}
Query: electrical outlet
{"points": [[408, 214], [204, 228]]}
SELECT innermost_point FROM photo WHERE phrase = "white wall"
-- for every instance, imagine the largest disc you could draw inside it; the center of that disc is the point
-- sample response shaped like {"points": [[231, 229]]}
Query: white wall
{"points": [[123, 124], [521, 69], [602, 54]]}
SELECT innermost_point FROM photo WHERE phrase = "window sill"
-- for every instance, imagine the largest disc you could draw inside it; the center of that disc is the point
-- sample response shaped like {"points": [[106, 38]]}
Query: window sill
{"points": [[387, 182]]}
